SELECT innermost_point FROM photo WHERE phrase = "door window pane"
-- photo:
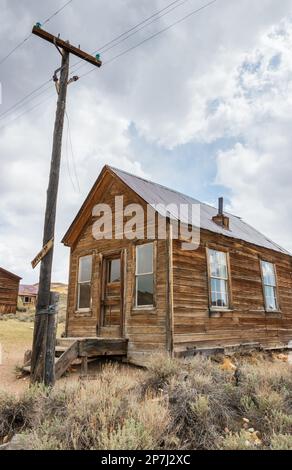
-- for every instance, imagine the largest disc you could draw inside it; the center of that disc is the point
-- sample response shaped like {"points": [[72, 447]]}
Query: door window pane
{"points": [[114, 270]]}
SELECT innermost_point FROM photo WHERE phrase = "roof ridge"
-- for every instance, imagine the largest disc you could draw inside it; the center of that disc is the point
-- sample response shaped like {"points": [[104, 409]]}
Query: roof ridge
{"points": [[115, 169], [275, 245]]}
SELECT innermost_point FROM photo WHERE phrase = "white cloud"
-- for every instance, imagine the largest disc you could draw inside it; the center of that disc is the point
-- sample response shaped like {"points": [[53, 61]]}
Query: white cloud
{"points": [[259, 171], [223, 73]]}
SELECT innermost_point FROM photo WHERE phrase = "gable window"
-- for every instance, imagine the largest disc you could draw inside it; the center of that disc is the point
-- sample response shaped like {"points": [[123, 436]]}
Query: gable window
{"points": [[84, 283], [144, 275], [218, 279], [269, 285]]}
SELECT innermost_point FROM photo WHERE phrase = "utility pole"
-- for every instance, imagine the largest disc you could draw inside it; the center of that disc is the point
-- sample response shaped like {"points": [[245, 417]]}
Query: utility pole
{"points": [[44, 337]]}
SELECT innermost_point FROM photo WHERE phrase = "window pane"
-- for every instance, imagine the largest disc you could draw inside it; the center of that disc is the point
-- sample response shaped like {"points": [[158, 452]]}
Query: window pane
{"points": [[218, 264], [144, 255], [219, 293], [84, 295], [144, 289], [114, 273], [85, 268], [268, 271], [270, 296]]}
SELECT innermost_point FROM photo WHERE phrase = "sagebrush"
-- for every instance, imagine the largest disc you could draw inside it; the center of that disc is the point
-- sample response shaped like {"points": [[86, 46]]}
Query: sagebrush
{"points": [[195, 404]]}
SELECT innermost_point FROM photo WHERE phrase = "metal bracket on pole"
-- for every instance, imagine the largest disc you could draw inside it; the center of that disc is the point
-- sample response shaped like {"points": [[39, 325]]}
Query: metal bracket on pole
{"points": [[73, 79]]}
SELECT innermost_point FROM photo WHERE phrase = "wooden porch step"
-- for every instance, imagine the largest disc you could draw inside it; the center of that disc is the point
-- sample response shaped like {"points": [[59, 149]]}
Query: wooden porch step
{"points": [[72, 350]]}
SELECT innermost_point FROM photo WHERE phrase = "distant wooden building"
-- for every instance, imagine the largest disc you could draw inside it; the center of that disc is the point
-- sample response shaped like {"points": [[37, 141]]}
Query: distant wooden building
{"points": [[151, 295], [28, 294], [9, 284]]}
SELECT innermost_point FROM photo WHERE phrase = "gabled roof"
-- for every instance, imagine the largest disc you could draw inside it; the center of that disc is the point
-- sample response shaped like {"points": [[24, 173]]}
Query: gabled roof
{"points": [[154, 194], [25, 289], [9, 273]]}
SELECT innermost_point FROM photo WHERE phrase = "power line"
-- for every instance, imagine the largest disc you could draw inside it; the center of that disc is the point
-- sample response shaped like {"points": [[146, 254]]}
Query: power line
{"points": [[57, 12], [133, 28], [72, 155], [19, 103], [109, 45], [193, 12], [30, 34], [28, 110]]}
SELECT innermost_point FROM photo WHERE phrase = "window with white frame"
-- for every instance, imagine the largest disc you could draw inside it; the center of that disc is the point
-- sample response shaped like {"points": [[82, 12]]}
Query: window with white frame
{"points": [[269, 285], [84, 283], [218, 273], [144, 275]]}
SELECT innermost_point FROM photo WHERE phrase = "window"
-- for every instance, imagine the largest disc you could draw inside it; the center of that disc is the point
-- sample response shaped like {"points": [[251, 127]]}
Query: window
{"points": [[114, 270], [84, 282], [269, 285], [218, 273], [144, 275]]}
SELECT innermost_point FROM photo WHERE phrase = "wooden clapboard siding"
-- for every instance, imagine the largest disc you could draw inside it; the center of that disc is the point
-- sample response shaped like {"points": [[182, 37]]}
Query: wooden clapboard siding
{"points": [[247, 321], [9, 285], [181, 316], [145, 329]]}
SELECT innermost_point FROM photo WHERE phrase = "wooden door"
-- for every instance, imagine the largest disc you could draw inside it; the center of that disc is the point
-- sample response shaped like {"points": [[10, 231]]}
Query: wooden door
{"points": [[111, 318]]}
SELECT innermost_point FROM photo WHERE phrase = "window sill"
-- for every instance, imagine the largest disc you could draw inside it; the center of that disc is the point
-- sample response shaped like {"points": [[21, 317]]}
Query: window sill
{"points": [[219, 312], [277, 313], [83, 313], [145, 309]]}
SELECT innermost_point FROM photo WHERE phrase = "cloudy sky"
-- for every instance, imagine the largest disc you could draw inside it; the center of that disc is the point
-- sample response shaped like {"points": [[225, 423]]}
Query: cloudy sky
{"points": [[205, 108]]}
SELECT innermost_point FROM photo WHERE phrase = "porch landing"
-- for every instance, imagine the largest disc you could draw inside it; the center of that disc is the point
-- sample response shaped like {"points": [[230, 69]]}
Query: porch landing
{"points": [[70, 350]]}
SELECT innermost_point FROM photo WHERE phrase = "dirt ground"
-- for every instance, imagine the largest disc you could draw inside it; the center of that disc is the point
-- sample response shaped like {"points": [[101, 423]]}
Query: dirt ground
{"points": [[15, 339]]}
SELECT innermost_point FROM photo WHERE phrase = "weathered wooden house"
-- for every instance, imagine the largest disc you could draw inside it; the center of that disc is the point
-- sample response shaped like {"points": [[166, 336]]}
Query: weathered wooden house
{"points": [[138, 296], [28, 294], [9, 284]]}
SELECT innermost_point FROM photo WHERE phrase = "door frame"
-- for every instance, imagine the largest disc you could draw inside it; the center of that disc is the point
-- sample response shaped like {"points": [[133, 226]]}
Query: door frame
{"points": [[105, 257]]}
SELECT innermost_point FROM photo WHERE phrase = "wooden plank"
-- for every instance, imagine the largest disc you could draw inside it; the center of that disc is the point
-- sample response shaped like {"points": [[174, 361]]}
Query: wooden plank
{"points": [[66, 359], [66, 46], [103, 347], [46, 248]]}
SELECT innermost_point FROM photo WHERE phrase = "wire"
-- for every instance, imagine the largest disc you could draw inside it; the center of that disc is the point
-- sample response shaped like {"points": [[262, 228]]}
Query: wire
{"points": [[153, 36], [28, 110], [14, 49], [101, 49], [66, 153], [72, 154], [30, 34], [56, 12], [193, 12], [106, 45], [19, 103]]}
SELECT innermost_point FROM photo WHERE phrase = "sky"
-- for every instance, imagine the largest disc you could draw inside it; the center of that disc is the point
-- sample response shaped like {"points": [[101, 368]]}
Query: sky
{"points": [[204, 108]]}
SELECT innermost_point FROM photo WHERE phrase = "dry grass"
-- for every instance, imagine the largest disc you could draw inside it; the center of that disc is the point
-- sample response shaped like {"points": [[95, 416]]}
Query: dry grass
{"points": [[174, 405]]}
